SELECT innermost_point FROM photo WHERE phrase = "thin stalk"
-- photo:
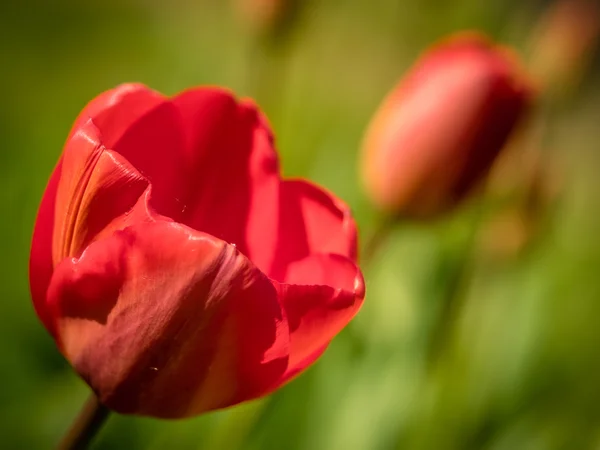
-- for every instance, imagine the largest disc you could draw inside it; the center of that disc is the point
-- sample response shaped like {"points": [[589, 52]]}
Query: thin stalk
{"points": [[454, 296], [377, 239], [85, 426]]}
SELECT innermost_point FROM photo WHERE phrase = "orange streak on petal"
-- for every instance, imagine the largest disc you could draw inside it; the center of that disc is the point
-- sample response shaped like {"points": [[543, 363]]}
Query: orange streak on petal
{"points": [[96, 186]]}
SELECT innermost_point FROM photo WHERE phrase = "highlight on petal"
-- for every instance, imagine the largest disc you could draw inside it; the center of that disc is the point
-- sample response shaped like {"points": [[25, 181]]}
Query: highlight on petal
{"points": [[161, 320], [90, 187], [322, 293], [145, 128], [96, 186], [115, 110], [124, 105]]}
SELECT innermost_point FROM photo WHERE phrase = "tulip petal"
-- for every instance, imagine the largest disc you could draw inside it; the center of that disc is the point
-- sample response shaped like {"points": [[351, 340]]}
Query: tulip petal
{"points": [[159, 302], [311, 220], [321, 295], [40, 259], [299, 366], [96, 186], [145, 128], [115, 110], [90, 188], [154, 145], [125, 104], [234, 172]]}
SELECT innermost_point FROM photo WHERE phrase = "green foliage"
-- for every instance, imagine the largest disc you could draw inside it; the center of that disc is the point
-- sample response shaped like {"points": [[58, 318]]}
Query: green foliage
{"points": [[520, 367]]}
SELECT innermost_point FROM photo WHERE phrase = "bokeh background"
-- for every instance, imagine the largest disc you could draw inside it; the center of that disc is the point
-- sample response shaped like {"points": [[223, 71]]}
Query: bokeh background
{"points": [[519, 364]]}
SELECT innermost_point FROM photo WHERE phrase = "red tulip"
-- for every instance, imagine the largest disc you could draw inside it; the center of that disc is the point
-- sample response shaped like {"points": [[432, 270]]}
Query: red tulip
{"points": [[439, 131], [176, 270]]}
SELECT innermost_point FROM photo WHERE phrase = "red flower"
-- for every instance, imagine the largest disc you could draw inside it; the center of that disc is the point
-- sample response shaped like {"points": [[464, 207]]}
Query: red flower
{"points": [[176, 270], [439, 131]]}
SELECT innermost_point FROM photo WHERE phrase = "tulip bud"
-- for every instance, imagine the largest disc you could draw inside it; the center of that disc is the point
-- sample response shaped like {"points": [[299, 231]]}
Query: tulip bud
{"points": [[439, 131], [563, 43], [266, 16], [176, 270]]}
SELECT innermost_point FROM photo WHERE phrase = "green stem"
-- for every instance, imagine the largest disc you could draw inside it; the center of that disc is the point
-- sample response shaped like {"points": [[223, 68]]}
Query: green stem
{"points": [[453, 301], [85, 426], [377, 239], [454, 296]]}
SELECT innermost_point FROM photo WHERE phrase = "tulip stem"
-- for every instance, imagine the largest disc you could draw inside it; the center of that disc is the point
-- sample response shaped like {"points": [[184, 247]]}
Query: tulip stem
{"points": [[454, 296], [377, 238], [89, 420], [452, 303]]}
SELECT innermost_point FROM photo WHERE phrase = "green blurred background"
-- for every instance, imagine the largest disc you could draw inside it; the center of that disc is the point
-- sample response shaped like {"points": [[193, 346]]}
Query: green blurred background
{"points": [[519, 366]]}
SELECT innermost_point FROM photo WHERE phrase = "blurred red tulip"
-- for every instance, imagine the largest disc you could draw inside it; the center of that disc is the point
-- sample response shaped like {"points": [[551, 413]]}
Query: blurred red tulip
{"points": [[440, 129], [563, 43], [266, 16], [176, 270]]}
